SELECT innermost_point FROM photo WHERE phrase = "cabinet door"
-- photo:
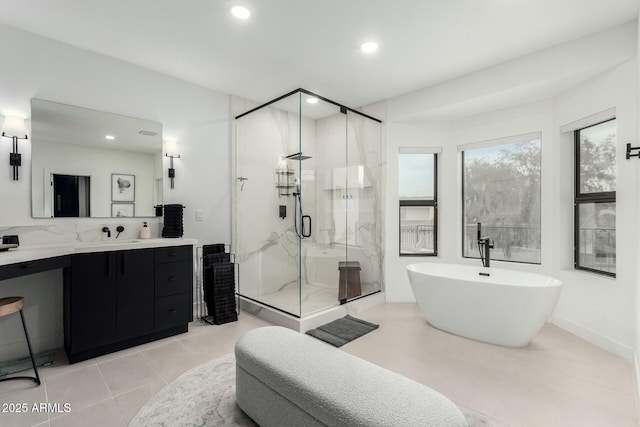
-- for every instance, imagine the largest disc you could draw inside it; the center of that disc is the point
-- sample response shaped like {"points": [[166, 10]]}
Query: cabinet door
{"points": [[136, 295], [93, 300]]}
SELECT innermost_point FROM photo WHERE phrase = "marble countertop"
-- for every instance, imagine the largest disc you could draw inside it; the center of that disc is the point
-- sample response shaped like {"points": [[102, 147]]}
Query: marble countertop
{"points": [[25, 253]]}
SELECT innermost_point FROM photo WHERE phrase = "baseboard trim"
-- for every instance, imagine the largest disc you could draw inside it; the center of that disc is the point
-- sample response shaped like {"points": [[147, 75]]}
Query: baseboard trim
{"points": [[636, 369], [595, 338]]}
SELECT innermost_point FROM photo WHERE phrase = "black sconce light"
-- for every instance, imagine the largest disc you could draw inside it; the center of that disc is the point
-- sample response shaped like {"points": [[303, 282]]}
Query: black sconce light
{"points": [[629, 155], [14, 128], [171, 151]]}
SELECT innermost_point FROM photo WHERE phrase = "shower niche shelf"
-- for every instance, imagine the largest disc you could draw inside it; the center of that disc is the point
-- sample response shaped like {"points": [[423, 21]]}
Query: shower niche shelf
{"points": [[285, 182]]}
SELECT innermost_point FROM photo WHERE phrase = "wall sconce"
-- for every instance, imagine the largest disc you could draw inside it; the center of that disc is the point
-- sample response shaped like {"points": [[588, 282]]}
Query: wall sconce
{"points": [[629, 149], [171, 151], [14, 128]]}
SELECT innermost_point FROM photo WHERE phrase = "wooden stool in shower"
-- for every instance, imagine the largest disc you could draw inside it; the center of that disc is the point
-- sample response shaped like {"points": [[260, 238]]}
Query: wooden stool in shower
{"points": [[349, 280], [9, 306]]}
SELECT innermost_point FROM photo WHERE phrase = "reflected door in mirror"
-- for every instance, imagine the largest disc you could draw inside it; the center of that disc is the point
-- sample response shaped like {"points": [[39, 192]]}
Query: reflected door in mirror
{"points": [[71, 195]]}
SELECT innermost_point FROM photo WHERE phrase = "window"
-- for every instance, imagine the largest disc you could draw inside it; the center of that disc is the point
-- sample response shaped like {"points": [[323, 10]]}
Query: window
{"points": [[501, 190], [595, 202], [418, 202]]}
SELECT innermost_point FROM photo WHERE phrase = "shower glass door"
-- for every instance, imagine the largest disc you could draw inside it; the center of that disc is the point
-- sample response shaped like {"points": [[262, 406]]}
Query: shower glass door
{"points": [[267, 172], [363, 210], [322, 176]]}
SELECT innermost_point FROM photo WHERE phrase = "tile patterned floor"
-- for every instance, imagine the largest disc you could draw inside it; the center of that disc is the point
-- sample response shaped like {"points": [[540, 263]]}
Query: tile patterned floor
{"points": [[558, 380]]}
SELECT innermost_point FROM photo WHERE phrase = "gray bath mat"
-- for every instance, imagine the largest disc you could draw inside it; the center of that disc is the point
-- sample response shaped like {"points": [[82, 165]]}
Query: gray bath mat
{"points": [[341, 331]]}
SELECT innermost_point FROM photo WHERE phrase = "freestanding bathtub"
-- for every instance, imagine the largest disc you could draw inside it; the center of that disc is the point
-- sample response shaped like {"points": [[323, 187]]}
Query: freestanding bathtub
{"points": [[506, 308]]}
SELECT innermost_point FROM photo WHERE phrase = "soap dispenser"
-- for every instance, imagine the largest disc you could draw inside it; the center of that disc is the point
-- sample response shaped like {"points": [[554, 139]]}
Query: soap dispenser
{"points": [[145, 231]]}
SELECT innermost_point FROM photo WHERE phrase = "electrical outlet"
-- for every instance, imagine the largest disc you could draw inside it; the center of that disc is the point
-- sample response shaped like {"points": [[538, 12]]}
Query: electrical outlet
{"points": [[199, 215]]}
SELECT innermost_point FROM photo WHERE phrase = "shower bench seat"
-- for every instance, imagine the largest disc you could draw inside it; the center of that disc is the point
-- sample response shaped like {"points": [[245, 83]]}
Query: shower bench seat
{"points": [[284, 378]]}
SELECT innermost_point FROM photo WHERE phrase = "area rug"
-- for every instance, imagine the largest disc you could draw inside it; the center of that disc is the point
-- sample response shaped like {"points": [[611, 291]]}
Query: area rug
{"points": [[341, 331], [205, 396]]}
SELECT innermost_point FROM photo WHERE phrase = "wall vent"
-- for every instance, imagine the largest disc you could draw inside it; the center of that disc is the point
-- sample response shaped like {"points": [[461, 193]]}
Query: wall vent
{"points": [[148, 133]]}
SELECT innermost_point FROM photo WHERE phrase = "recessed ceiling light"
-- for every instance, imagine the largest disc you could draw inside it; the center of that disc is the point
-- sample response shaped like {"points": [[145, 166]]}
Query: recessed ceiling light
{"points": [[109, 137], [369, 47], [312, 100], [240, 12]]}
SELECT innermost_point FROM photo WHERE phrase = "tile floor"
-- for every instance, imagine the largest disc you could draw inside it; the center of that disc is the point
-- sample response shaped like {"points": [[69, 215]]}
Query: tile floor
{"points": [[558, 380]]}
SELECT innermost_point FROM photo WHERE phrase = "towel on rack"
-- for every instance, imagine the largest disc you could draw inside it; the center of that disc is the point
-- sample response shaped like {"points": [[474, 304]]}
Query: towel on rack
{"points": [[173, 224]]}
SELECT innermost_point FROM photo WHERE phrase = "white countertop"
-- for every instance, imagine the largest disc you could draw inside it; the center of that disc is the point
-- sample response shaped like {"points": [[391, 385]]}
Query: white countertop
{"points": [[25, 253]]}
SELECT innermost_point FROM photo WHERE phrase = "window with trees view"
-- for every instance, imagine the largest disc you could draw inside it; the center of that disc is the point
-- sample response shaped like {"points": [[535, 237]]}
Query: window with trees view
{"points": [[595, 202], [501, 190], [418, 203]]}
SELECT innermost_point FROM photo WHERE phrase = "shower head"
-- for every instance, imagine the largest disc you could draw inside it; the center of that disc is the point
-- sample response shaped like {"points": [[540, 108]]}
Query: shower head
{"points": [[297, 156]]}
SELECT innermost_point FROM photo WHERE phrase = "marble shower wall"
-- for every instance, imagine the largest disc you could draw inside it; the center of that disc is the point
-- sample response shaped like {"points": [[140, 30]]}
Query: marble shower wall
{"points": [[350, 191]]}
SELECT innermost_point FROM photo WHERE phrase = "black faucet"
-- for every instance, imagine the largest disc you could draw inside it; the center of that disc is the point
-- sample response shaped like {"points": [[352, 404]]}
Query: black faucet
{"points": [[119, 229], [485, 245], [106, 230]]}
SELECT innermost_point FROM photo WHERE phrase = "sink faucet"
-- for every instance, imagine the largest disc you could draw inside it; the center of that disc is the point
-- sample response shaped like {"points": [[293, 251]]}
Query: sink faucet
{"points": [[106, 230], [484, 245], [119, 229]]}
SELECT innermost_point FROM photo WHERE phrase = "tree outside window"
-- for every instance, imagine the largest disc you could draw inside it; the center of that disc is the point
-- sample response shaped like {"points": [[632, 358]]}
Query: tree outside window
{"points": [[595, 198], [501, 190]]}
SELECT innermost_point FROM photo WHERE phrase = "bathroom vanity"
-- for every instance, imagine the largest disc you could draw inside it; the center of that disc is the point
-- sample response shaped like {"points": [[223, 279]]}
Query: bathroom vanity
{"points": [[116, 294]]}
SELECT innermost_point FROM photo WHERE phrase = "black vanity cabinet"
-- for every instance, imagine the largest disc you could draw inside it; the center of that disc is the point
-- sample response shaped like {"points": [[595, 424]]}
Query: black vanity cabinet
{"points": [[135, 290], [173, 286], [119, 299], [91, 302]]}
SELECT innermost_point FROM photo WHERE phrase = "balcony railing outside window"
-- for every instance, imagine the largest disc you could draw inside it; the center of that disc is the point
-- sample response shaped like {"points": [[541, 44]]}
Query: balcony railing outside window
{"points": [[417, 238], [511, 243]]}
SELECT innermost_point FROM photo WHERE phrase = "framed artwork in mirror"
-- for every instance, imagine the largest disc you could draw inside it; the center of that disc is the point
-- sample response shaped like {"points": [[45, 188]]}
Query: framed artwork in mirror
{"points": [[122, 210], [123, 187]]}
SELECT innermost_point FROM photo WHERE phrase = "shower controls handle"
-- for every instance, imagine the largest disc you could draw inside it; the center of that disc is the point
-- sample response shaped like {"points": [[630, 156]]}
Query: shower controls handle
{"points": [[242, 179], [306, 233]]}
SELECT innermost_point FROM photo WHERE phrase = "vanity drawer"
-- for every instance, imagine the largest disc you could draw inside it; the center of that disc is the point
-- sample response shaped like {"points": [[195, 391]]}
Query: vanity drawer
{"points": [[173, 254], [172, 311], [31, 267], [172, 278]]}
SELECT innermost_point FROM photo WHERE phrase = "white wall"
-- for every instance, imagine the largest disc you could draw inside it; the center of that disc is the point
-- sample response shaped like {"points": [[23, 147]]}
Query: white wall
{"points": [[635, 143], [197, 118], [596, 307]]}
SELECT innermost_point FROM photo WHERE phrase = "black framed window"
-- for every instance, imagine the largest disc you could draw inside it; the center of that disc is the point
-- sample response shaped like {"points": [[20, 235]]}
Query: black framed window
{"points": [[595, 198], [501, 190], [417, 178]]}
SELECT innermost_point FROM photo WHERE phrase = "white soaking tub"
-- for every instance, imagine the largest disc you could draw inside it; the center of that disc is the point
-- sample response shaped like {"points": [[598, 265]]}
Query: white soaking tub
{"points": [[507, 307]]}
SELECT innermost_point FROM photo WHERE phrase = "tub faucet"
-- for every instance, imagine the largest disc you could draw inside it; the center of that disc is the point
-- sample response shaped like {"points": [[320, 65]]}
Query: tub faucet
{"points": [[485, 253], [484, 245]]}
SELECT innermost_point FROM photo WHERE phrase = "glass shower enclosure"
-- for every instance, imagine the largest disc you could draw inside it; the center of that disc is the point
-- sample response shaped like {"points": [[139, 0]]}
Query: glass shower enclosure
{"points": [[308, 204]]}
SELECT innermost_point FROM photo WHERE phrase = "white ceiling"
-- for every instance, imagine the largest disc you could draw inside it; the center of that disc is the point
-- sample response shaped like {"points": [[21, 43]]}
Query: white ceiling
{"points": [[313, 44]]}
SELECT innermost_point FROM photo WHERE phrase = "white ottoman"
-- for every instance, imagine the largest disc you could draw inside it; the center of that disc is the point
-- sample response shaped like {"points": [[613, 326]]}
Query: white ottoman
{"points": [[284, 378]]}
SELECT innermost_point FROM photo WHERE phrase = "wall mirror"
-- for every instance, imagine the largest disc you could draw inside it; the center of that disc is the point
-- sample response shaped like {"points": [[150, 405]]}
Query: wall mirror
{"points": [[88, 163]]}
